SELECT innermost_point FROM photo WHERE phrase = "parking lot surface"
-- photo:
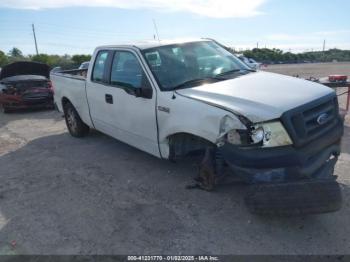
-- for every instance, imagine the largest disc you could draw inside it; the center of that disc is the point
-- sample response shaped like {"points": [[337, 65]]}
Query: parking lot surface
{"points": [[96, 195]]}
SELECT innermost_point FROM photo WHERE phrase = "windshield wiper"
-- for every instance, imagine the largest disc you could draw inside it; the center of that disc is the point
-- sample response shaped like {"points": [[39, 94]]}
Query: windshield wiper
{"points": [[197, 81], [249, 70], [234, 71], [218, 77]]}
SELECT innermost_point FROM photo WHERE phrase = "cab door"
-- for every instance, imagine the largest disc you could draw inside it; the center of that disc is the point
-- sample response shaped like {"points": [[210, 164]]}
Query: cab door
{"points": [[124, 115], [98, 92]]}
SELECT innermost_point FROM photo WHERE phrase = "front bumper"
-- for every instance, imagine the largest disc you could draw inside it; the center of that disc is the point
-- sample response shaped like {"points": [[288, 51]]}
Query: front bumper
{"points": [[288, 163], [13, 102]]}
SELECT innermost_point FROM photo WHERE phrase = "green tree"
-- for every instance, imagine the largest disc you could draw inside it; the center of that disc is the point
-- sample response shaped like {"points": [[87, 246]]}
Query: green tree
{"points": [[3, 59], [15, 53], [64, 61], [78, 59], [42, 58]]}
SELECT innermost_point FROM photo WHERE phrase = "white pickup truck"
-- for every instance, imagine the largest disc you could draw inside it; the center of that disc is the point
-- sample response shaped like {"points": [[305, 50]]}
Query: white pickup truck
{"points": [[279, 133]]}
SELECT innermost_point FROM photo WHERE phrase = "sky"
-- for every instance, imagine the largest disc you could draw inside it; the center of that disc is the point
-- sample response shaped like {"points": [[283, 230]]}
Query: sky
{"points": [[78, 26]]}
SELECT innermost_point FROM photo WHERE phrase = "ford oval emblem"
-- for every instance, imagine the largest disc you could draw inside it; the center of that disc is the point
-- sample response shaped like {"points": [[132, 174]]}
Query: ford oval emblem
{"points": [[322, 118]]}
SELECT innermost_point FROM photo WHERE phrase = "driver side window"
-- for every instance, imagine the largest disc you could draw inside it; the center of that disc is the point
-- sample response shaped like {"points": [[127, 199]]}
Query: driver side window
{"points": [[126, 70]]}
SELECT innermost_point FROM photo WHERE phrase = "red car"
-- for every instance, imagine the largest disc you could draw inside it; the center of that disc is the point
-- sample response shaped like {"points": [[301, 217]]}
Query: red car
{"points": [[25, 85], [337, 78]]}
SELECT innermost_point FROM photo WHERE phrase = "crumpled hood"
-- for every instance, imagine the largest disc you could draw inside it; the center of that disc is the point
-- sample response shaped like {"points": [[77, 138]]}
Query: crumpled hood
{"points": [[259, 96], [25, 68]]}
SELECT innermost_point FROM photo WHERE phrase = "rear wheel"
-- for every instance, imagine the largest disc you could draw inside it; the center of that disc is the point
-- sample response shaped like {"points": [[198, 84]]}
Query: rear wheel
{"points": [[75, 125]]}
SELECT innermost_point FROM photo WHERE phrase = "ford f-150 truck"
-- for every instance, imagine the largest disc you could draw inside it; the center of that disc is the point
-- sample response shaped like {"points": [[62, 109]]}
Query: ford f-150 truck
{"points": [[171, 99]]}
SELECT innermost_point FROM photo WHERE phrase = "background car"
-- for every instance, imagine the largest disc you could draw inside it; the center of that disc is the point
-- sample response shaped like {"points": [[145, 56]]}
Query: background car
{"points": [[84, 65], [25, 85], [250, 62]]}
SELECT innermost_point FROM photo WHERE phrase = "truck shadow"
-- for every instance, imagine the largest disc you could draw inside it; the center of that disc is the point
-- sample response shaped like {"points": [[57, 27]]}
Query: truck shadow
{"points": [[60, 195]]}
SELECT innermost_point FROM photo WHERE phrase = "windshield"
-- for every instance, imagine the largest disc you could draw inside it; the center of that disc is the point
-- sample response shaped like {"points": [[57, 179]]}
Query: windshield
{"points": [[175, 65]]}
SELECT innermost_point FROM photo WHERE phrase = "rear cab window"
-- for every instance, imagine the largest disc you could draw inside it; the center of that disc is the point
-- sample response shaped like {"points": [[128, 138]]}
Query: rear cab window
{"points": [[99, 69]]}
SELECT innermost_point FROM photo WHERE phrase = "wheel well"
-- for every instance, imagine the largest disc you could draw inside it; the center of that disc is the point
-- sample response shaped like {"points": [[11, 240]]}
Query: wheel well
{"points": [[185, 144], [65, 101]]}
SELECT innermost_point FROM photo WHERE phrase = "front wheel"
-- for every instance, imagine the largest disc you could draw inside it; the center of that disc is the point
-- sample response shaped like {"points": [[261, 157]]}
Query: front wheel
{"points": [[75, 125]]}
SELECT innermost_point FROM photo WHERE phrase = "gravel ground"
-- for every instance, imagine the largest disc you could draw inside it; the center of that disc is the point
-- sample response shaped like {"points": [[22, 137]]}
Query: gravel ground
{"points": [[62, 195], [315, 69]]}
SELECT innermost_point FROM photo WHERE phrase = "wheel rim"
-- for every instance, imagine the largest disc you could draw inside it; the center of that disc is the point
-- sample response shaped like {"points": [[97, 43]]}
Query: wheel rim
{"points": [[71, 120]]}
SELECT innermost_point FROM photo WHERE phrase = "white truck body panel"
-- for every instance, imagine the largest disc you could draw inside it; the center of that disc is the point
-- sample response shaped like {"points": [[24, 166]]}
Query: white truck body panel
{"points": [[251, 96], [191, 117], [147, 123], [129, 119], [74, 89]]}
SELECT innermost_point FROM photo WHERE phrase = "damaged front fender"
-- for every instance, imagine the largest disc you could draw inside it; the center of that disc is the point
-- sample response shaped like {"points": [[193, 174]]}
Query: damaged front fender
{"points": [[195, 118]]}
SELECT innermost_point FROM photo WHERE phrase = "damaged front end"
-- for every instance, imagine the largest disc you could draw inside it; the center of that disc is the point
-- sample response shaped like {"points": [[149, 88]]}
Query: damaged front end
{"points": [[289, 162], [276, 165], [293, 148]]}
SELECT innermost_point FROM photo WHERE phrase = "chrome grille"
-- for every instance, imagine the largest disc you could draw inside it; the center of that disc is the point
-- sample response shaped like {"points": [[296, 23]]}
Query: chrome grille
{"points": [[303, 123]]}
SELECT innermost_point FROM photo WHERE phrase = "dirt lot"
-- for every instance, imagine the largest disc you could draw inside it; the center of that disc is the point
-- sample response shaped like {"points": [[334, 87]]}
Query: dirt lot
{"points": [[61, 195], [315, 70]]}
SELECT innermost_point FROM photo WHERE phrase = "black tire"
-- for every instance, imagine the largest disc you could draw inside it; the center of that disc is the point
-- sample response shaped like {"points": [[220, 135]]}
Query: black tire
{"points": [[297, 198], [75, 125]]}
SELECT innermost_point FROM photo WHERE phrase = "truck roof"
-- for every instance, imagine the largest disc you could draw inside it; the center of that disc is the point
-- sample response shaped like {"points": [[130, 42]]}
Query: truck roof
{"points": [[153, 43]]}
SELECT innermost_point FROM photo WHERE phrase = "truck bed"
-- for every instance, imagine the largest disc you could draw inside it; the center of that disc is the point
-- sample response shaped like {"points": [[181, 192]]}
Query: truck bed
{"points": [[75, 73], [71, 85]]}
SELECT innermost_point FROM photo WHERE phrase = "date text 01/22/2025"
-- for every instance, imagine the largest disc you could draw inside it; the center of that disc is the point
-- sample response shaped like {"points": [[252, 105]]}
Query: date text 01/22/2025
{"points": [[173, 258]]}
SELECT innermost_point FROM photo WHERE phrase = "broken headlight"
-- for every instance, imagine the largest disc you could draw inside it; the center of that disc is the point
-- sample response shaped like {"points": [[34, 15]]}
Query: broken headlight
{"points": [[257, 135], [275, 134], [269, 134]]}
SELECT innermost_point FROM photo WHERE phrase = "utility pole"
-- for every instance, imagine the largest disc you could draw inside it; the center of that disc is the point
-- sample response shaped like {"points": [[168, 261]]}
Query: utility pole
{"points": [[324, 45], [156, 29], [324, 49], [36, 45]]}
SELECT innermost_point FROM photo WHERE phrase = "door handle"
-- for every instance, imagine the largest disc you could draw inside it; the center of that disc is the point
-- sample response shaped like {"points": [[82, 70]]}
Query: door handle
{"points": [[109, 99]]}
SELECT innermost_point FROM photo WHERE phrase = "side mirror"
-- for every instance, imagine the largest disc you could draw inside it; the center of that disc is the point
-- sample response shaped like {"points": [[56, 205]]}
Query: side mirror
{"points": [[144, 92], [147, 92]]}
